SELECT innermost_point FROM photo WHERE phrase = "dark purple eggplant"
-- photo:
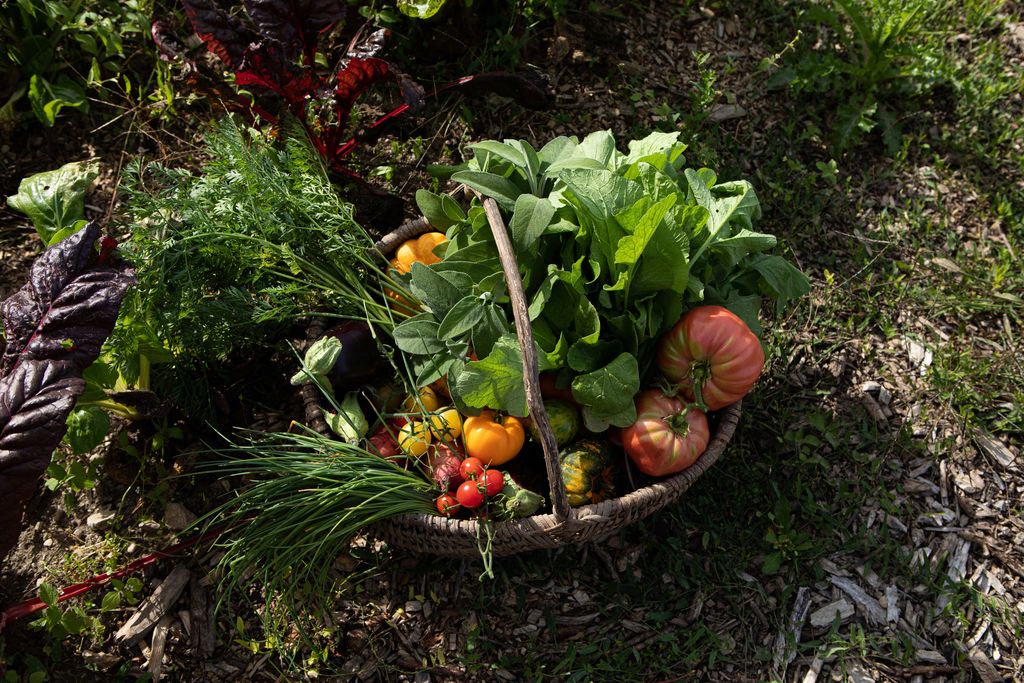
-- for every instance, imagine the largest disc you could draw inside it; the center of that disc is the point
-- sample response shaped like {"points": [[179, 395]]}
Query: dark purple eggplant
{"points": [[360, 360]]}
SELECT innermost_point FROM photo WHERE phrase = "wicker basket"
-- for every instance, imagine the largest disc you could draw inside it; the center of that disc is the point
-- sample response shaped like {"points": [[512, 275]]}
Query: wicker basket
{"points": [[437, 535]]}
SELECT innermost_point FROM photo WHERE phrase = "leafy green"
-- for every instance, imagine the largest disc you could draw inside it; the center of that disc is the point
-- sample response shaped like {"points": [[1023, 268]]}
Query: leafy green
{"points": [[227, 257], [497, 380], [422, 9], [612, 248], [55, 200], [87, 427]]}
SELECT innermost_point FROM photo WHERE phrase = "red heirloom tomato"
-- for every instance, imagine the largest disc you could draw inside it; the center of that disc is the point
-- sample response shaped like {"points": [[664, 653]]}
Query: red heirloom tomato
{"points": [[667, 437], [712, 349]]}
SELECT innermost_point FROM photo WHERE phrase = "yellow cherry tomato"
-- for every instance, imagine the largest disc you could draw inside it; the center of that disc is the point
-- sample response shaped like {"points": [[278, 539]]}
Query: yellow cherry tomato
{"points": [[492, 438], [414, 438], [426, 400], [446, 425]]}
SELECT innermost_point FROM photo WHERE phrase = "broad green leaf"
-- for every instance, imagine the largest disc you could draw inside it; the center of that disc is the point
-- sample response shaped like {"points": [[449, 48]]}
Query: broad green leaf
{"points": [[501, 150], [49, 98], [420, 9], [665, 262], [747, 308], [64, 233], [489, 330], [48, 594], [87, 427], [634, 245], [655, 143], [743, 243], [430, 369], [432, 207], [531, 164], [111, 601], [439, 289], [601, 194], [557, 149], [501, 189], [462, 317], [54, 200], [600, 146], [608, 392], [734, 201], [418, 335], [597, 421], [784, 279], [496, 381], [529, 220], [584, 357]]}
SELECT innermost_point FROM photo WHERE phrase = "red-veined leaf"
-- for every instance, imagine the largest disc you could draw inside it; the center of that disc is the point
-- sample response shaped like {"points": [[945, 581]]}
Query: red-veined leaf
{"points": [[223, 34], [54, 328], [295, 24]]}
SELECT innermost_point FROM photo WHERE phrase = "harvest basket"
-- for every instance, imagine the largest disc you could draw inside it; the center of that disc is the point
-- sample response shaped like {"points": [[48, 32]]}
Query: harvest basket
{"points": [[437, 535]]}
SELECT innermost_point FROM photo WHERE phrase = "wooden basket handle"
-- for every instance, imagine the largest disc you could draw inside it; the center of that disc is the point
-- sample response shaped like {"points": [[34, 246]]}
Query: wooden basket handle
{"points": [[531, 376]]}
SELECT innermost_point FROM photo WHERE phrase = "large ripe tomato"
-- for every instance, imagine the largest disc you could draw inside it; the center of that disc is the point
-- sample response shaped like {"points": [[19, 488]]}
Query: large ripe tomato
{"points": [[712, 349], [667, 437]]}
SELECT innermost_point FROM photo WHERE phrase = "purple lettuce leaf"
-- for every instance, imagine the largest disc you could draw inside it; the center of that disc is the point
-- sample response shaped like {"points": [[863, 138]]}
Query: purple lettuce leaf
{"points": [[295, 24], [54, 328]]}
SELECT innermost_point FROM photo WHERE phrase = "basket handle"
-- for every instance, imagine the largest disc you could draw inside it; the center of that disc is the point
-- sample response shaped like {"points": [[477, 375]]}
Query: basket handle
{"points": [[531, 376]]}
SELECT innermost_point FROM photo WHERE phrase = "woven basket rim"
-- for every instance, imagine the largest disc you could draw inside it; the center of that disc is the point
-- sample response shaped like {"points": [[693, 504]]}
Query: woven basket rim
{"points": [[665, 489]]}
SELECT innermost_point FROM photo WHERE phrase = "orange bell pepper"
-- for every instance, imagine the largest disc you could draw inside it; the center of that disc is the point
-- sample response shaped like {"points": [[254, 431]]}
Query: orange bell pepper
{"points": [[419, 250], [492, 438]]}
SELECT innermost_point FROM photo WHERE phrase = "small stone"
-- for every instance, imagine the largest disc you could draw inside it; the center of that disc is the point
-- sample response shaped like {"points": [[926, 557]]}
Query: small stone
{"points": [[725, 112], [857, 673], [100, 520], [101, 660], [178, 517], [931, 657], [413, 606], [48, 543], [823, 616], [995, 450], [920, 356], [969, 482]]}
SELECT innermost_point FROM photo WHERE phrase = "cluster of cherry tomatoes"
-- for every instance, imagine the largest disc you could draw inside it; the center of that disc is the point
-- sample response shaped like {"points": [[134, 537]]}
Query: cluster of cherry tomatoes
{"points": [[479, 484]]}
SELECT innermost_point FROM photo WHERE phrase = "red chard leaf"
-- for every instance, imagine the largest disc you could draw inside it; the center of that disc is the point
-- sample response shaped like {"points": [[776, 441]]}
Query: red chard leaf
{"points": [[54, 328], [223, 34], [295, 24], [266, 66]]}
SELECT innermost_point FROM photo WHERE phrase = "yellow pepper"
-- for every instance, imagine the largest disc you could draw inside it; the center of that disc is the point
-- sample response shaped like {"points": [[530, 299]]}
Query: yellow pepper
{"points": [[493, 439]]}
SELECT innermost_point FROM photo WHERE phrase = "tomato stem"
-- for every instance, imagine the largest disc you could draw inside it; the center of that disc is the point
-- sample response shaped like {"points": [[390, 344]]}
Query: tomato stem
{"points": [[699, 375]]}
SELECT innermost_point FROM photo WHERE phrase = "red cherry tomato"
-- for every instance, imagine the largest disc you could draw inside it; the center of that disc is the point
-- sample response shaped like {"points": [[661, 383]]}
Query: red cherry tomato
{"points": [[494, 482], [447, 504], [471, 468], [469, 495]]}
